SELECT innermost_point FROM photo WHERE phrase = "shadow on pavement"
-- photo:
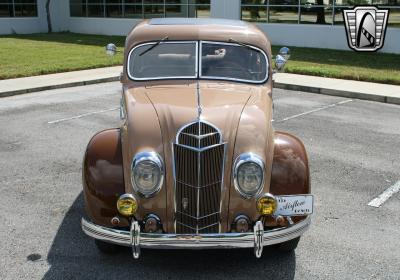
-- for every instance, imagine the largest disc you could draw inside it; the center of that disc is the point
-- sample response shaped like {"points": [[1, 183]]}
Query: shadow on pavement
{"points": [[74, 255]]}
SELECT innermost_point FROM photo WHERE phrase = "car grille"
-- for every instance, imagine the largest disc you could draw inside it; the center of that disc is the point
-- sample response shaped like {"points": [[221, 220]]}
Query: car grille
{"points": [[198, 169]]}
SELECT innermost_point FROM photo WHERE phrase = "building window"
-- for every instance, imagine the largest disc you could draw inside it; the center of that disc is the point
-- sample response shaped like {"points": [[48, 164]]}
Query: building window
{"points": [[310, 11], [18, 8], [140, 8]]}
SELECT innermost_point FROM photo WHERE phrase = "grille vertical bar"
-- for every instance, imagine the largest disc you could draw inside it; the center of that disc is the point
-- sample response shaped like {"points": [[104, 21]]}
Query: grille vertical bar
{"points": [[199, 161]]}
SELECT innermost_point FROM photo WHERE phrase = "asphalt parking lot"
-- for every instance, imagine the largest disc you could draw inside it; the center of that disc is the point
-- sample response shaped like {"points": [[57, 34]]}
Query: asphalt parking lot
{"points": [[354, 151]]}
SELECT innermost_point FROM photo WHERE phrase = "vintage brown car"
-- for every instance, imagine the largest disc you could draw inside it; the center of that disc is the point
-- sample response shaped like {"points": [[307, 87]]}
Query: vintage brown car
{"points": [[196, 162]]}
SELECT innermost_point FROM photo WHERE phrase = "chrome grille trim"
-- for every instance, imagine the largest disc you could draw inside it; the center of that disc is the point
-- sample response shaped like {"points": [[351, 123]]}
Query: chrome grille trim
{"points": [[199, 156], [200, 136], [198, 218], [196, 187], [198, 149], [197, 228]]}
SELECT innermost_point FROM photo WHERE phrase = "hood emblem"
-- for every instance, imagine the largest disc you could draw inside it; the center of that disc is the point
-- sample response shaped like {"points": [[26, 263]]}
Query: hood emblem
{"points": [[185, 203]]}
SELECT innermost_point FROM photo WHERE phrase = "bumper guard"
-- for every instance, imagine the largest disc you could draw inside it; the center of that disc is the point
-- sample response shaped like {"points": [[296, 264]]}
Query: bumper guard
{"points": [[135, 239]]}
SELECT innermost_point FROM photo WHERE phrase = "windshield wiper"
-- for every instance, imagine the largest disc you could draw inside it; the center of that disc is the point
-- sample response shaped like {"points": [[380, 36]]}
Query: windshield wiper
{"points": [[155, 45], [239, 43]]}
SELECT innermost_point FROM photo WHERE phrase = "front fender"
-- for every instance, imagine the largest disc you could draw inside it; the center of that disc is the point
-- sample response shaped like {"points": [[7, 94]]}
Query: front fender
{"points": [[103, 176], [290, 171]]}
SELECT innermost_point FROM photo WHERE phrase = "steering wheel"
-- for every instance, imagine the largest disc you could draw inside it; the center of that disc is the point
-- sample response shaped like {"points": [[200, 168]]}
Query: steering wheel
{"points": [[230, 64], [234, 66]]}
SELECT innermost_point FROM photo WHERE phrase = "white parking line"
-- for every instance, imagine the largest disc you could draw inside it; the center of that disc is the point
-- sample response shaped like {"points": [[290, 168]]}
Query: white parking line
{"points": [[315, 110], [83, 115], [378, 201]]}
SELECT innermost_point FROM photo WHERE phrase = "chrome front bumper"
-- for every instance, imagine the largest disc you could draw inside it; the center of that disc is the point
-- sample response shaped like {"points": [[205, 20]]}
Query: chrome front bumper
{"points": [[256, 239]]}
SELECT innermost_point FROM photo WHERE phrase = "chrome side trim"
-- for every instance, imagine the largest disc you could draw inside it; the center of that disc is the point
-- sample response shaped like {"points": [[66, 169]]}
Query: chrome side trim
{"points": [[122, 108], [203, 241]]}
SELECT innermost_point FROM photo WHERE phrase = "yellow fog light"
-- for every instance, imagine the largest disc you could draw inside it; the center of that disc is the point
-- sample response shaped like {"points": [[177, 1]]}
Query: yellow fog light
{"points": [[127, 205], [266, 204]]}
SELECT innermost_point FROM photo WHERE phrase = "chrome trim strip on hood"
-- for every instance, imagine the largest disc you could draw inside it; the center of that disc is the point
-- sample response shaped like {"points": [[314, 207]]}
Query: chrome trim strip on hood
{"points": [[199, 109]]}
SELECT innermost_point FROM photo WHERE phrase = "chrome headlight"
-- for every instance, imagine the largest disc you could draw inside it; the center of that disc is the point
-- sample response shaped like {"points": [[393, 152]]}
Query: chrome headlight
{"points": [[147, 173], [248, 172]]}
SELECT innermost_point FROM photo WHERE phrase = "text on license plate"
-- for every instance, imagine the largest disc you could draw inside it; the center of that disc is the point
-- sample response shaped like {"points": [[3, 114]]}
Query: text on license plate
{"points": [[294, 205]]}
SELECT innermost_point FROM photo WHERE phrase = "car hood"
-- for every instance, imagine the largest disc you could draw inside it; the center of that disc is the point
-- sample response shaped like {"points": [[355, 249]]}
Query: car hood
{"points": [[170, 107], [178, 106]]}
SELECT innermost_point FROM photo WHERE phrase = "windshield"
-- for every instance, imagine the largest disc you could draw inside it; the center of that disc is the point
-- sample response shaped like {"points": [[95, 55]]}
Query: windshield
{"points": [[232, 61], [166, 60], [179, 60]]}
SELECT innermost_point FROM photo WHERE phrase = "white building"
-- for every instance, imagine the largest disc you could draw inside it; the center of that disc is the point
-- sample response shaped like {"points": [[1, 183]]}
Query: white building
{"points": [[308, 23]]}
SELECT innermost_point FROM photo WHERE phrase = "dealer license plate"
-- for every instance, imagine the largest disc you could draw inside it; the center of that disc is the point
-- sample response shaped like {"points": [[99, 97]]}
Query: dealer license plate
{"points": [[294, 205]]}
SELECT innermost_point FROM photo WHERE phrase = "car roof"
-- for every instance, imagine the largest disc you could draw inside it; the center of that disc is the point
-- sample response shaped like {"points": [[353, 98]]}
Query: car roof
{"points": [[193, 29], [197, 21]]}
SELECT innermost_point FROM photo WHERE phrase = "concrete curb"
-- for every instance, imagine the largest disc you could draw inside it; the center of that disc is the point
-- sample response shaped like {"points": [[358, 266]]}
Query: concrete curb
{"points": [[318, 90], [57, 86], [342, 93]]}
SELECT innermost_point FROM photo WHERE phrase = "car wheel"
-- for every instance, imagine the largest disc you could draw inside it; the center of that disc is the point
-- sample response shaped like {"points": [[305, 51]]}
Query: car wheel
{"points": [[289, 246], [106, 248]]}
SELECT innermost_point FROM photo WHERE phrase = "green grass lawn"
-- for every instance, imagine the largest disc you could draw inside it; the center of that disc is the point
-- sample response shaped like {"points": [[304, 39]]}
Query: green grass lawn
{"points": [[371, 67], [37, 54]]}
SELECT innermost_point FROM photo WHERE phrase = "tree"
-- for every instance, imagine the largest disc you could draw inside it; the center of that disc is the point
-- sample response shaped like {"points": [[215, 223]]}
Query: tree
{"points": [[320, 12], [254, 11], [49, 28]]}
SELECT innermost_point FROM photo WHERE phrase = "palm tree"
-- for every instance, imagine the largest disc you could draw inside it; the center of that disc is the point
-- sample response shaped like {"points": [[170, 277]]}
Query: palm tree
{"points": [[49, 28]]}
